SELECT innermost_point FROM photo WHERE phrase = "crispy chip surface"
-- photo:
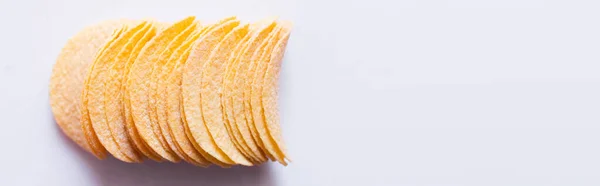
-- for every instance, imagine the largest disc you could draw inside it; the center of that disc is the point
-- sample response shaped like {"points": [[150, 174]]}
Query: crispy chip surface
{"points": [[204, 94], [191, 85], [212, 79], [138, 89], [94, 99], [254, 118], [137, 140], [233, 87], [157, 111]]}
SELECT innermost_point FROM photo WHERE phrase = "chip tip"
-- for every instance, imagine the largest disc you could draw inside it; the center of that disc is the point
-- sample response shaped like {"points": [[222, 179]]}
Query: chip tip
{"points": [[286, 24]]}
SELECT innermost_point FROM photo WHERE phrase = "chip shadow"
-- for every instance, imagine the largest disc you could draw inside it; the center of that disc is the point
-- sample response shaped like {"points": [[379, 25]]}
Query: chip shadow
{"points": [[114, 172]]}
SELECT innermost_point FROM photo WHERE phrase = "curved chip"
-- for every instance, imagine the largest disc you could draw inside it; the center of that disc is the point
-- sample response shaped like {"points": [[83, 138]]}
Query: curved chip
{"points": [[169, 84], [137, 140], [233, 130], [142, 88], [211, 81], [247, 78], [269, 94], [113, 102], [190, 88], [257, 156], [176, 114], [157, 111], [86, 123], [67, 79], [233, 87], [110, 135], [138, 89], [253, 89]]}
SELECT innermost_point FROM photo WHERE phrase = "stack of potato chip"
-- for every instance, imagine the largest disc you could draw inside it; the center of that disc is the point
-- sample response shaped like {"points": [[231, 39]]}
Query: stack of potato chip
{"points": [[202, 93]]}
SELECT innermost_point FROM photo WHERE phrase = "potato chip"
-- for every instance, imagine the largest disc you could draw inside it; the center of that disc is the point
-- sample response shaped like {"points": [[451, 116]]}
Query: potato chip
{"points": [[229, 122], [190, 87], [176, 113], [86, 123], [138, 89], [233, 91], [243, 93], [248, 76], [212, 79], [169, 81], [253, 90], [113, 103], [154, 101], [67, 79], [174, 91], [270, 94], [137, 140], [234, 130], [175, 102], [109, 134]]}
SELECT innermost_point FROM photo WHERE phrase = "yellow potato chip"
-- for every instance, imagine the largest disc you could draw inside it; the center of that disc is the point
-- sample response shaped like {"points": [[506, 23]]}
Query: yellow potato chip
{"points": [[176, 114], [86, 124], [233, 92], [247, 78], [233, 131], [67, 79], [139, 143], [169, 81], [113, 103], [138, 89], [174, 91], [270, 94], [190, 88], [109, 134], [254, 90], [212, 79], [157, 111], [246, 89]]}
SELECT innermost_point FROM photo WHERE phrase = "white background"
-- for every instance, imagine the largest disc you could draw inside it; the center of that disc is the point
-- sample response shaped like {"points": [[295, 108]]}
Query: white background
{"points": [[399, 92]]}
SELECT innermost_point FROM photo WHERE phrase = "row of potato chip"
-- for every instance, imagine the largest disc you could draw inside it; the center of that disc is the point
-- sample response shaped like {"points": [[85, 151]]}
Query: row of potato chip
{"points": [[185, 91]]}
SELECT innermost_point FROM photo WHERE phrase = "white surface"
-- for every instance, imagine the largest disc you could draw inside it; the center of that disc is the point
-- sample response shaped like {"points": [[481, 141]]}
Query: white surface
{"points": [[456, 92]]}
